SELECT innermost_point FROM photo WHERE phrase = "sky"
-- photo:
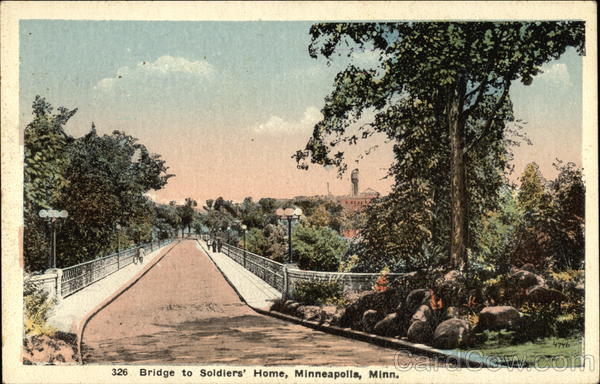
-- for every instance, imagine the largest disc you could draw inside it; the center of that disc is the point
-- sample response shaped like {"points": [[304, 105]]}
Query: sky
{"points": [[226, 104]]}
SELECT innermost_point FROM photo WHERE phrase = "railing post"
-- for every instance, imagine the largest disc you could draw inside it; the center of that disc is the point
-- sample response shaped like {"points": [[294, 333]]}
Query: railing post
{"points": [[59, 274], [118, 260], [284, 294]]}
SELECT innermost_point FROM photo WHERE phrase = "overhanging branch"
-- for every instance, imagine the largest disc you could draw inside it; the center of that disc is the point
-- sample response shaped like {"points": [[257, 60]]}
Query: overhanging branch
{"points": [[490, 121]]}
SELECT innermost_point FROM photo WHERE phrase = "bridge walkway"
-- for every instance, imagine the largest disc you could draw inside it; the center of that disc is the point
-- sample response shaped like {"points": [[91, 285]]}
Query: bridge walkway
{"points": [[183, 311]]}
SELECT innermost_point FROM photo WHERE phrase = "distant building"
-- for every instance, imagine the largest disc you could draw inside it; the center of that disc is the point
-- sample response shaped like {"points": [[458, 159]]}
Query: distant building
{"points": [[357, 201]]}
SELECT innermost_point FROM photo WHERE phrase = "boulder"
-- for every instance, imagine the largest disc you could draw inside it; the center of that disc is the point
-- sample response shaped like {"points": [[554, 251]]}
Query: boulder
{"points": [[288, 302], [330, 315], [451, 334], [43, 349], [542, 295], [390, 326], [309, 312], [453, 277], [498, 317], [414, 300], [291, 308], [419, 332], [382, 302], [528, 267], [369, 319], [277, 305], [525, 279], [423, 313]]}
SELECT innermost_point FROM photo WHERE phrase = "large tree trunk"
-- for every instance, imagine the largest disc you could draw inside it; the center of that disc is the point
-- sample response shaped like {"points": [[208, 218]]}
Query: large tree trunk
{"points": [[459, 198]]}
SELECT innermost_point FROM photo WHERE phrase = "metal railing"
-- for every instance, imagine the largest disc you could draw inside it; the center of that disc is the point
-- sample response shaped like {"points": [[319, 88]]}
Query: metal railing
{"points": [[349, 281], [272, 272], [79, 276], [285, 279]]}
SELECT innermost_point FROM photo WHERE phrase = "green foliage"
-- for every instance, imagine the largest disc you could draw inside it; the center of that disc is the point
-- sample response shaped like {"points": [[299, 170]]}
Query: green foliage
{"points": [[538, 321], [441, 93], [551, 232], [256, 241], [568, 201], [495, 238], [45, 160], [100, 180], [37, 308], [275, 242], [187, 213], [318, 248], [44, 164], [315, 292], [168, 219], [349, 264]]}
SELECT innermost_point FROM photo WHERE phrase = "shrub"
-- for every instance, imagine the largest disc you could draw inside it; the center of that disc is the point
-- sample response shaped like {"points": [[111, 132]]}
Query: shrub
{"points": [[37, 308], [538, 321], [382, 283], [318, 248], [314, 292]]}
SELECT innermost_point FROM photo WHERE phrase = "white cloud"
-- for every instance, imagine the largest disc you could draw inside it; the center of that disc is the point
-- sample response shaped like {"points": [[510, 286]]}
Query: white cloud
{"points": [[169, 64], [556, 73], [277, 125], [163, 66], [367, 58]]}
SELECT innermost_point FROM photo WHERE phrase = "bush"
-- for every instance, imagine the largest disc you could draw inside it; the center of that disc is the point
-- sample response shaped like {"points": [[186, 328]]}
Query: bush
{"points": [[316, 292], [37, 308], [538, 321], [318, 248], [382, 283]]}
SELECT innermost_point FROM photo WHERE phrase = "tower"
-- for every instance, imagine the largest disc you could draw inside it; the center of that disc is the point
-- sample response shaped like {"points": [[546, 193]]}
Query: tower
{"points": [[354, 180]]}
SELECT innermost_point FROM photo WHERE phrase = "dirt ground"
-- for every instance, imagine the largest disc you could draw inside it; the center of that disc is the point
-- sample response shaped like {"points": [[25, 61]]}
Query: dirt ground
{"points": [[184, 312]]}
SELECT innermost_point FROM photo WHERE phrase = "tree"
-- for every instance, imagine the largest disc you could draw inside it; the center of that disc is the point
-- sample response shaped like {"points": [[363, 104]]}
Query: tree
{"points": [[318, 248], [168, 220], [44, 163], [255, 242], [187, 213], [276, 248], [497, 236], [455, 77], [108, 177], [320, 217], [568, 202], [535, 233], [100, 180]]}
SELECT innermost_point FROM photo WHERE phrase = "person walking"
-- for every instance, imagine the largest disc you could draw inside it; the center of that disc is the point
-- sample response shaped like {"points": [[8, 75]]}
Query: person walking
{"points": [[219, 245]]}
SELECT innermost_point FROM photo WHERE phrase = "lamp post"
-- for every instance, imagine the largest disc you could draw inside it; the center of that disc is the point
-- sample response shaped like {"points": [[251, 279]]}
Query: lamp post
{"points": [[244, 228], [118, 227], [51, 215], [289, 214]]}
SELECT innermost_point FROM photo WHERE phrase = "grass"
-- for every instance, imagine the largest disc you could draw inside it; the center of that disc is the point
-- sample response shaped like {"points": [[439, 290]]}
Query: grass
{"points": [[553, 352]]}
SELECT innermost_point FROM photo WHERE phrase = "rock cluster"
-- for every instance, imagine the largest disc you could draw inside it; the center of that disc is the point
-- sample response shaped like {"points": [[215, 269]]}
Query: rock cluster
{"points": [[42, 349], [432, 316]]}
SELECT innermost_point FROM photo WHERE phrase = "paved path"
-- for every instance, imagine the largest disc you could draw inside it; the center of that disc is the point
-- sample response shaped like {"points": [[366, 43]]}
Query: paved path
{"points": [[252, 288], [67, 315], [183, 311]]}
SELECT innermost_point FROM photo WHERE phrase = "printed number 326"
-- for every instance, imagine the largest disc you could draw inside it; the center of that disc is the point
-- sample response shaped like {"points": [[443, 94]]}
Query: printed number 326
{"points": [[119, 371]]}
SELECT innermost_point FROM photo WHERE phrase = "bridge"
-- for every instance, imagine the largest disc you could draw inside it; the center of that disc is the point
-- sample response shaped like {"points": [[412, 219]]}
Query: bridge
{"points": [[188, 305]]}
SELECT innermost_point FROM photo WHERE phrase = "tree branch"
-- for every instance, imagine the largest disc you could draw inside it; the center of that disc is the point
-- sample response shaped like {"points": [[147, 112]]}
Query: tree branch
{"points": [[489, 122], [481, 91]]}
